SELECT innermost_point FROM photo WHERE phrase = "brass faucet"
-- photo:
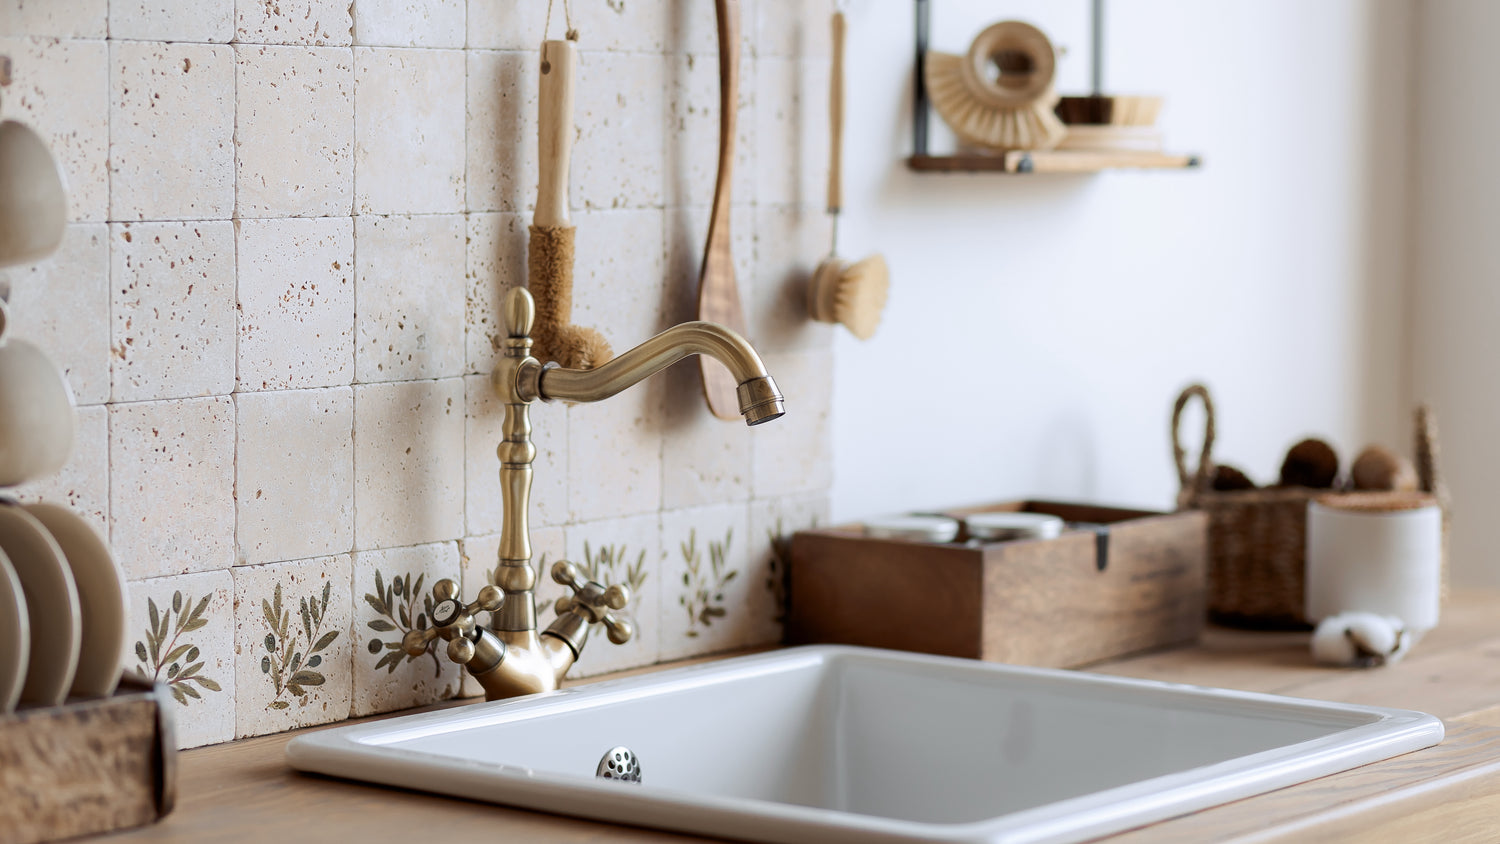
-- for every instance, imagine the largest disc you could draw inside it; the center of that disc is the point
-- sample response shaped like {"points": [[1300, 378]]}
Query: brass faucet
{"points": [[511, 657]]}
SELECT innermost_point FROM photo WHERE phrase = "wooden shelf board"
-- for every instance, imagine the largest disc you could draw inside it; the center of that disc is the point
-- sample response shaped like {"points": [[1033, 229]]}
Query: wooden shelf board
{"points": [[1050, 161]]}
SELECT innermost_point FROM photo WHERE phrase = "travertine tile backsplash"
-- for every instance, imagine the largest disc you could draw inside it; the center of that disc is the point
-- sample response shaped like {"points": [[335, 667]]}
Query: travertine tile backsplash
{"points": [[276, 306]]}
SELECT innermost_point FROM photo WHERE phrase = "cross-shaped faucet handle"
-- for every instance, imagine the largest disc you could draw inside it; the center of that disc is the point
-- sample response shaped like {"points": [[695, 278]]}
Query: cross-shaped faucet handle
{"points": [[594, 601]]}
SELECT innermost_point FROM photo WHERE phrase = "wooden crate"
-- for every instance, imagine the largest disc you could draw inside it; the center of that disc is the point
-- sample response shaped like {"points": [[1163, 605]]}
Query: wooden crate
{"points": [[1134, 584], [86, 767]]}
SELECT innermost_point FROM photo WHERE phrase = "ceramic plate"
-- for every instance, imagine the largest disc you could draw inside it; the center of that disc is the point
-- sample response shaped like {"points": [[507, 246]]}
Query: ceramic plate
{"points": [[51, 602], [15, 636], [101, 595]]}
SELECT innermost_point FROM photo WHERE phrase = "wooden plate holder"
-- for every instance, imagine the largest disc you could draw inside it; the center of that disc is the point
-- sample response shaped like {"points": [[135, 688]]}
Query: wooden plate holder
{"points": [[88, 766]]}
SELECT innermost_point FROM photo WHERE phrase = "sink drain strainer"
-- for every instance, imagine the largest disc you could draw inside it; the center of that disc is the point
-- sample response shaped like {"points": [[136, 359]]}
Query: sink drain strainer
{"points": [[619, 764]]}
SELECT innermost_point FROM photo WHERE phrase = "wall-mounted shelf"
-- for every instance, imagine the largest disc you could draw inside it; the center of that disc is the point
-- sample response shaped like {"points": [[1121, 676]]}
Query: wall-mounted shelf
{"points": [[1049, 161], [1023, 161]]}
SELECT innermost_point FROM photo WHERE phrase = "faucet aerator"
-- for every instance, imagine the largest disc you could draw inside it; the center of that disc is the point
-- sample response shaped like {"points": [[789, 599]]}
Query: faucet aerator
{"points": [[760, 400]]}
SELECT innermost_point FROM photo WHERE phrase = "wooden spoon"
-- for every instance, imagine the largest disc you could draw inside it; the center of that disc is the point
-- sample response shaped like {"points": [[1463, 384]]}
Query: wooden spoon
{"points": [[718, 295]]}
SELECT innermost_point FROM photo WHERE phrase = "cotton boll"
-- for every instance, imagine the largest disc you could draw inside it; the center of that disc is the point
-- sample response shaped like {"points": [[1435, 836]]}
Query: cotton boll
{"points": [[1373, 634], [1331, 645], [1361, 639]]}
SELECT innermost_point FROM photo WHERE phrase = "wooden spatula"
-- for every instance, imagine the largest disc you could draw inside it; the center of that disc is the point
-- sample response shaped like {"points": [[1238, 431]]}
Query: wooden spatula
{"points": [[718, 295]]}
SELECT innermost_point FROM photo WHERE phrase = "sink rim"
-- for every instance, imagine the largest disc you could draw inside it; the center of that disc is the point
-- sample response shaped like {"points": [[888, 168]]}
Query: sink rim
{"points": [[367, 750]]}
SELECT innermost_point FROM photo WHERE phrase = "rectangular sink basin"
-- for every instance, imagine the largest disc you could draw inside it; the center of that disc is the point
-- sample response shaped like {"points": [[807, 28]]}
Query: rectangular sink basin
{"points": [[853, 744]]}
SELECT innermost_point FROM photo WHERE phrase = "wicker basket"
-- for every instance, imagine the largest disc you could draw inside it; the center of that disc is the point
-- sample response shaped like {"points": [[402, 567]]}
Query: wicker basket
{"points": [[1257, 537]]}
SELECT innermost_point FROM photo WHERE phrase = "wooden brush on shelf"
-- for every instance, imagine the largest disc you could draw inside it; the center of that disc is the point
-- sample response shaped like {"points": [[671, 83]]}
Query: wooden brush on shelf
{"points": [[999, 95]]}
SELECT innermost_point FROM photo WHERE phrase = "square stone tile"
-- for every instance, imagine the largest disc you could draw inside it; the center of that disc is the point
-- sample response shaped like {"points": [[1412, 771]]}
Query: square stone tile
{"points": [[172, 20], [478, 556], [625, 551], [483, 431], [408, 462], [83, 482], [692, 138], [61, 89], [790, 242], [794, 454], [294, 131], [294, 663], [408, 131], [694, 28], [409, 23], [512, 26], [173, 308], [501, 118], [171, 126], [171, 486], [496, 245], [410, 284], [791, 131], [686, 239], [619, 274], [294, 474], [707, 581], [619, 111], [61, 304], [326, 23], [614, 455], [705, 460], [772, 523], [792, 28], [393, 595], [181, 633], [296, 303], [614, 26], [55, 18]]}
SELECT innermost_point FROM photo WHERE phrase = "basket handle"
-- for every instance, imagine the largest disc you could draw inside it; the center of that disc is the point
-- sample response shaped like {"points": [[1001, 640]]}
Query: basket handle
{"points": [[1192, 483], [1427, 453]]}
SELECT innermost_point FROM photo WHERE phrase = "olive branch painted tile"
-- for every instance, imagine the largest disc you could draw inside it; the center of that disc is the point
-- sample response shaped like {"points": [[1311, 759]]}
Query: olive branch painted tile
{"points": [[294, 658], [394, 602], [393, 589], [772, 524], [703, 590], [184, 640], [169, 644], [294, 654], [706, 581], [627, 551], [611, 564]]}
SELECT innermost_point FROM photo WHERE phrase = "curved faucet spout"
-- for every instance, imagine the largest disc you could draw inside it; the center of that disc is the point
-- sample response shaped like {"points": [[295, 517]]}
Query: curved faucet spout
{"points": [[760, 400]]}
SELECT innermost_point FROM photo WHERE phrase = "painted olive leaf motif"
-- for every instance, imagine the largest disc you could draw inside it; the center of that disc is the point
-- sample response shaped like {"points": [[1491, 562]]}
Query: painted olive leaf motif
{"points": [[176, 660], [285, 663], [703, 595], [396, 602]]}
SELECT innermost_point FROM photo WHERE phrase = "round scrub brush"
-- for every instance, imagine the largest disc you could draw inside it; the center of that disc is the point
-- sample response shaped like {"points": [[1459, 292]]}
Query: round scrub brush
{"points": [[999, 95], [852, 294]]}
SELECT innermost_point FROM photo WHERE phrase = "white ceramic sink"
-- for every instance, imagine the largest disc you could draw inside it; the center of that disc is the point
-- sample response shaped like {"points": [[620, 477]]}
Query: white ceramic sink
{"points": [[853, 744]]}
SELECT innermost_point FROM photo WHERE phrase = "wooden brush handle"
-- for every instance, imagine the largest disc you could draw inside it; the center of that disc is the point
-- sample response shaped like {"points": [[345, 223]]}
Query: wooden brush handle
{"points": [[836, 119], [555, 132]]}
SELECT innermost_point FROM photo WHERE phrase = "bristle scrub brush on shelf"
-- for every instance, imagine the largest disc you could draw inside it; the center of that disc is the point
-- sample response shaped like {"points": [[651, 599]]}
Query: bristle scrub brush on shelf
{"points": [[840, 292], [549, 257]]}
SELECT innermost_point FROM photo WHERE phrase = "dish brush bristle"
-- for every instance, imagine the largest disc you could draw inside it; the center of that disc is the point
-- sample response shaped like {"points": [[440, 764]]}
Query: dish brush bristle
{"points": [[1030, 125], [853, 295]]}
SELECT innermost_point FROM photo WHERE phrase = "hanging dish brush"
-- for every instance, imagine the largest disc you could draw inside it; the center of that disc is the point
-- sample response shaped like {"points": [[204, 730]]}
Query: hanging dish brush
{"points": [[999, 95], [851, 294], [549, 264]]}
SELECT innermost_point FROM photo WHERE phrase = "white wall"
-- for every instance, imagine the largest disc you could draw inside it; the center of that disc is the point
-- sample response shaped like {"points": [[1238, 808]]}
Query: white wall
{"points": [[1039, 327], [1455, 301]]}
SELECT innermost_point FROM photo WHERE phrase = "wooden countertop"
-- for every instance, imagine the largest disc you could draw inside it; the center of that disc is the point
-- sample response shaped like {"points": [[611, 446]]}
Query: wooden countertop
{"points": [[243, 791]]}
